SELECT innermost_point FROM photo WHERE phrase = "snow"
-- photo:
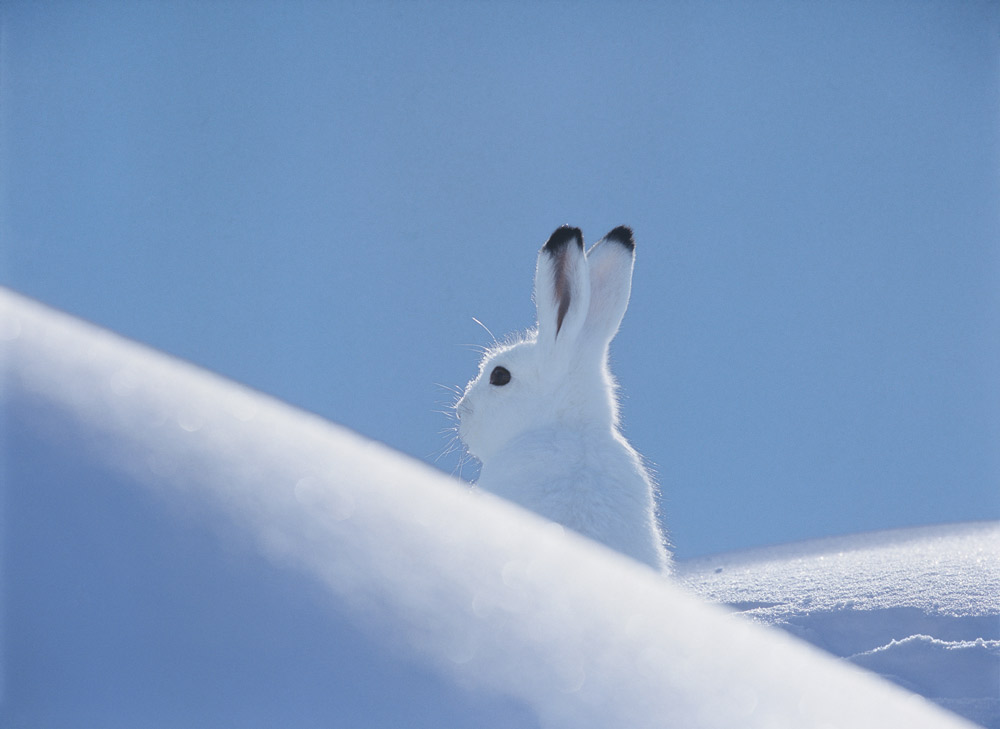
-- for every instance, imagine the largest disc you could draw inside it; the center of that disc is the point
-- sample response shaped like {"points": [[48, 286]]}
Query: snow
{"points": [[379, 592], [920, 606]]}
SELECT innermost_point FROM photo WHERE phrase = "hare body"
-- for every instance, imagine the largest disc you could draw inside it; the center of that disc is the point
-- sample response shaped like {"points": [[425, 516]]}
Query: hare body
{"points": [[542, 415]]}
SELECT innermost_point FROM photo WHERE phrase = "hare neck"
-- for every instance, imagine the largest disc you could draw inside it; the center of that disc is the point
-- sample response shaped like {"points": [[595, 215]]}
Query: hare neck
{"points": [[549, 452]]}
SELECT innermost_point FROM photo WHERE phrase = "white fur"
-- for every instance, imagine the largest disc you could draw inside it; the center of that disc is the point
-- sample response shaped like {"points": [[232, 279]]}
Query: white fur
{"points": [[549, 438]]}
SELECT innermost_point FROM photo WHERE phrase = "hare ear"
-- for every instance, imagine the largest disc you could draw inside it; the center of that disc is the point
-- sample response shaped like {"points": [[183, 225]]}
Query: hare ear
{"points": [[562, 287], [610, 261]]}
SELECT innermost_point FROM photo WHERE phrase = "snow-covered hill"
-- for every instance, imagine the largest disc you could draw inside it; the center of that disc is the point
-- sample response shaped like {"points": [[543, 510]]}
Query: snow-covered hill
{"points": [[180, 550], [920, 606]]}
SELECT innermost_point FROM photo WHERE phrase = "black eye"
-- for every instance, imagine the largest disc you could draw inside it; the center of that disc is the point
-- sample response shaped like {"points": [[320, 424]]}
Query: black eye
{"points": [[500, 376]]}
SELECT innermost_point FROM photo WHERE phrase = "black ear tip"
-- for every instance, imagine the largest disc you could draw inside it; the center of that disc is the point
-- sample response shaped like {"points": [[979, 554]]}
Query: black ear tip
{"points": [[623, 235], [562, 237]]}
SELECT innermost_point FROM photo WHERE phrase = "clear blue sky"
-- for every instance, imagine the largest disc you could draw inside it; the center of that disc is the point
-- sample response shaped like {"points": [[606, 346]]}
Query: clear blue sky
{"points": [[316, 198]]}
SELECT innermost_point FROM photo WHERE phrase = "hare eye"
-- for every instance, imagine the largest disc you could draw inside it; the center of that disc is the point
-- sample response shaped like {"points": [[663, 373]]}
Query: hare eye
{"points": [[499, 376]]}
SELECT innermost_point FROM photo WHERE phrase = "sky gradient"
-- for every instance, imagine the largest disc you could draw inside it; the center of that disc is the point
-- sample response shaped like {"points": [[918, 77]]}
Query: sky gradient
{"points": [[315, 199]]}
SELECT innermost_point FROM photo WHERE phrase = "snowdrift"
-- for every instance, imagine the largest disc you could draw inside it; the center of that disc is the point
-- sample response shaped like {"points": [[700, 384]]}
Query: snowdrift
{"points": [[180, 550], [920, 606]]}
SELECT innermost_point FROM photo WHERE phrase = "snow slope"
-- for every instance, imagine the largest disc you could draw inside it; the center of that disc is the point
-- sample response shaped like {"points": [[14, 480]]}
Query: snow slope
{"points": [[920, 606], [377, 592]]}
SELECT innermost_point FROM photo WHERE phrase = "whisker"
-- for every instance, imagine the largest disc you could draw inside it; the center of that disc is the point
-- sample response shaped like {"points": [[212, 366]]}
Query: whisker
{"points": [[463, 461], [486, 328], [450, 388], [454, 444], [448, 448]]}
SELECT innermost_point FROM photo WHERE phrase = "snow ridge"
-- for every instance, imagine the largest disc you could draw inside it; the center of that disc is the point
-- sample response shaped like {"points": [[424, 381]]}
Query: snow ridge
{"points": [[494, 600], [919, 606]]}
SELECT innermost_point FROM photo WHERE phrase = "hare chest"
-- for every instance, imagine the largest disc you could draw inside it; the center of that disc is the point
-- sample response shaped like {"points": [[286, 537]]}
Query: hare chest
{"points": [[599, 489]]}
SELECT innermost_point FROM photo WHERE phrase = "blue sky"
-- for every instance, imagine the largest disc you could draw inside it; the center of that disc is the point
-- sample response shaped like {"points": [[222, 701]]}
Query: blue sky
{"points": [[316, 198]]}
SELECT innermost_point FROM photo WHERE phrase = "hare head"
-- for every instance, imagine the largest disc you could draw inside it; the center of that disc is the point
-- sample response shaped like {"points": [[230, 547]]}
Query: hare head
{"points": [[555, 375]]}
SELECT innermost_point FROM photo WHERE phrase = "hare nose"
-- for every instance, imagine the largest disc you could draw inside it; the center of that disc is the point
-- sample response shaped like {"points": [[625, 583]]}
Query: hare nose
{"points": [[462, 408]]}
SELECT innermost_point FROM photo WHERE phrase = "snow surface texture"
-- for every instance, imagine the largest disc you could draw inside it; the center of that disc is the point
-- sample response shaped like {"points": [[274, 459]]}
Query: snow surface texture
{"points": [[490, 598], [920, 606]]}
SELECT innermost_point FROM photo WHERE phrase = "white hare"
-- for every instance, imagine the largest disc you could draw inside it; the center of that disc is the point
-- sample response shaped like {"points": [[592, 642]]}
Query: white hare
{"points": [[542, 415]]}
